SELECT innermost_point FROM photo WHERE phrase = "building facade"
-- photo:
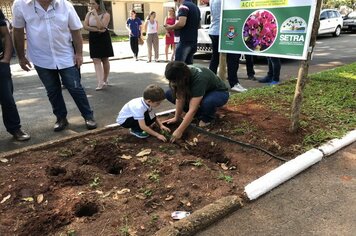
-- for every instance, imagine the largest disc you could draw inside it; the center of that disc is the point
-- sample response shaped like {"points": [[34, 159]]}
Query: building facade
{"points": [[119, 10]]}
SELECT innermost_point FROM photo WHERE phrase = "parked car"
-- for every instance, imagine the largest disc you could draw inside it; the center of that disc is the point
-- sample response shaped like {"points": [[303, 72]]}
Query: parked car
{"points": [[331, 22], [350, 21], [204, 41]]}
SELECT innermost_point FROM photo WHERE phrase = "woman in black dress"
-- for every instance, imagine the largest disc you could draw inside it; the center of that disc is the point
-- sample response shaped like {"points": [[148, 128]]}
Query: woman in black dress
{"points": [[96, 22]]}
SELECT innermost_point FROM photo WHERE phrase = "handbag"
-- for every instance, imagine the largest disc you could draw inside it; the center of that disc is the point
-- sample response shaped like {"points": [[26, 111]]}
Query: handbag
{"points": [[140, 41]]}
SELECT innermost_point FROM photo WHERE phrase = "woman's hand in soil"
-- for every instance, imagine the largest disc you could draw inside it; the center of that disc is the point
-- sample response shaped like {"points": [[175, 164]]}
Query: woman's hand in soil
{"points": [[162, 138], [177, 134], [171, 121]]}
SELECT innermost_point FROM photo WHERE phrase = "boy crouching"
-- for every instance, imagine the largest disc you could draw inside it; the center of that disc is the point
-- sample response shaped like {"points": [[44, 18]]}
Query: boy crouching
{"points": [[137, 114]]}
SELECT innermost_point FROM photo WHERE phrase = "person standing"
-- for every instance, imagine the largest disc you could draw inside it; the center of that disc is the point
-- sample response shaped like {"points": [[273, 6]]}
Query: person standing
{"points": [[187, 24], [100, 46], [274, 70], [10, 113], [170, 20], [54, 46], [151, 30], [232, 59], [134, 26]]}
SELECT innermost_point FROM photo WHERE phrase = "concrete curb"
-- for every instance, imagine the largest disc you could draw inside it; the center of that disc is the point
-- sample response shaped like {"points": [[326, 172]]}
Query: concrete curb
{"points": [[56, 142], [202, 217]]}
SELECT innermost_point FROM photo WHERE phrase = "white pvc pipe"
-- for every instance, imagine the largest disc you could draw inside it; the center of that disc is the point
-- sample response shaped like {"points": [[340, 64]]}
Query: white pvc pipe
{"points": [[336, 144], [282, 173]]}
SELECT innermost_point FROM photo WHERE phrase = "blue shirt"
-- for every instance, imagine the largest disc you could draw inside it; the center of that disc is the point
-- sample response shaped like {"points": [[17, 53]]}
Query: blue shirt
{"points": [[134, 25], [189, 33], [215, 12]]}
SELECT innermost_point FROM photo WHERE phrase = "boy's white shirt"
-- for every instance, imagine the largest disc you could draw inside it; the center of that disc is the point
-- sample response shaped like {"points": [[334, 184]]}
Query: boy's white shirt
{"points": [[135, 108]]}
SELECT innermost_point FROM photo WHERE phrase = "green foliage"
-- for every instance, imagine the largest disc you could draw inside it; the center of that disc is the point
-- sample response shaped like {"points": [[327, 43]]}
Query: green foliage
{"points": [[198, 163], [154, 176], [226, 178], [329, 103], [154, 219], [65, 152], [71, 232], [95, 183]]}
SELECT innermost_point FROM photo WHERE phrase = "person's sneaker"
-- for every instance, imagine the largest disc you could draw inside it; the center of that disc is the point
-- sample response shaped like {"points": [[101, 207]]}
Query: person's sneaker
{"points": [[274, 83], [90, 123], [265, 80], [60, 124], [139, 134], [238, 88], [252, 77], [20, 135]]}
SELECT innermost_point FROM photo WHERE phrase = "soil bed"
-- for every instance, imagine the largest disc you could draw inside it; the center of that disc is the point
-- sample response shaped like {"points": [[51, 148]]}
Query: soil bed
{"points": [[97, 185]]}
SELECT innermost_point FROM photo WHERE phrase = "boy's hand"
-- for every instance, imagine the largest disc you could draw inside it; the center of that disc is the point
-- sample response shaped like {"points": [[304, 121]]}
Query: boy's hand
{"points": [[162, 138], [165, 128]]}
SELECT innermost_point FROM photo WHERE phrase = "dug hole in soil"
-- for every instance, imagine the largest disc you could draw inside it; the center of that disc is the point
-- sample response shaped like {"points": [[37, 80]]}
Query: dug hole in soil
{"points": [[97, 185]]}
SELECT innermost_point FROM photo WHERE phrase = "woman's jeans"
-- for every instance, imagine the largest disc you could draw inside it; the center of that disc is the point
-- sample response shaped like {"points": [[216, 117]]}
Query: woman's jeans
{"points": [[10, 113], [134, 45], [210, 102], [232, 61], [71, 80]]}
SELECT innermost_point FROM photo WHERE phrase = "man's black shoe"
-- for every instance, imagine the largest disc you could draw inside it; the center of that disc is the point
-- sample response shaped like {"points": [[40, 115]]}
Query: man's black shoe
{"points": [[19, 135], [90, 123], [60, 124]]}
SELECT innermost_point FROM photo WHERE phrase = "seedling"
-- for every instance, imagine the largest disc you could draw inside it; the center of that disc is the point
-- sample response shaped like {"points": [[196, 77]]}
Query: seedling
{"points": [[152, 161], [95, 183], [154, 176], [166, 134], [146, 192], [167, 150], [71, 232], [65, 152], [116, 140], [154, 219], [226, 178], [198, 163], [124, 231]]}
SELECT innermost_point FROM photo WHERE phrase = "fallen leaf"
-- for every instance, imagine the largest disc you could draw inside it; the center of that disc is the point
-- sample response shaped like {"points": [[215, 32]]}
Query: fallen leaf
{"points": [[123, 191], [99, 192], [28, 199], [169, 197], [142, 159], [4, 160], [5, 198], [212, 144], [195, 140], [224, 166], [346, 178], [140, 196], [188, 204], [126, 157], [40, 198], [144, 152]]}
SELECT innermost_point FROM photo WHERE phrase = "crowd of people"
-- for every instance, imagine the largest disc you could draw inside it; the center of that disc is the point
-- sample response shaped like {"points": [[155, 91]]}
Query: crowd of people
{"points": [[55, 49]]}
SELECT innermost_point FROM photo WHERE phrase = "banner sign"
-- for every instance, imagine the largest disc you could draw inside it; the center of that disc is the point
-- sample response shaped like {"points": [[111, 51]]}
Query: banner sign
{"points": [[276, 28]]}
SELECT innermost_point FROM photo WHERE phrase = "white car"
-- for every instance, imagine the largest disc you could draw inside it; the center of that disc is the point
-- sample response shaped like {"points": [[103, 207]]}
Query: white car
{"points": [[204, 41], [331, 22]]}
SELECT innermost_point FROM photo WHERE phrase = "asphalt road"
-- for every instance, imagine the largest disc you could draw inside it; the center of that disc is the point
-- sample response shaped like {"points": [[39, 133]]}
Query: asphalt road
{"points": [[128, 79]]}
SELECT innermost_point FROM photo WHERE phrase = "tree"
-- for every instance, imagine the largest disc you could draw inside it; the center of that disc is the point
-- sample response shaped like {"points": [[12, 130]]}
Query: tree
{"points": [[303, 73]]}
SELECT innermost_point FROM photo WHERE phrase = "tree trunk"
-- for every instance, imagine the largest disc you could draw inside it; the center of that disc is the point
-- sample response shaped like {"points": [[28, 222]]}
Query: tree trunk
{"points": [[222, 66], [303, 73]]}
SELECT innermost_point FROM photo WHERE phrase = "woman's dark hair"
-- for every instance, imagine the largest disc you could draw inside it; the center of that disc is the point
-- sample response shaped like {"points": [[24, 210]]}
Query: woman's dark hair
{"points": [[178, 75], [149, 15], [101, 5]]}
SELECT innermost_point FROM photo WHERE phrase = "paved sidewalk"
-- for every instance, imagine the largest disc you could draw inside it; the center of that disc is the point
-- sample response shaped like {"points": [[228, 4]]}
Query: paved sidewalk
{"points": [[320, 201]]}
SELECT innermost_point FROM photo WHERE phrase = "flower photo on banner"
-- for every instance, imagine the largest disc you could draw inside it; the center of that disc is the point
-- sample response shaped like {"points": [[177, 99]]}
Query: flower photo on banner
{"points": [[260, 30]]}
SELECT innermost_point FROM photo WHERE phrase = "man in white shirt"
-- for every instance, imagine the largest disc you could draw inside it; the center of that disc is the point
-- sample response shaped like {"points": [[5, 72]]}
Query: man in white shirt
{"points": [[51, 28]]}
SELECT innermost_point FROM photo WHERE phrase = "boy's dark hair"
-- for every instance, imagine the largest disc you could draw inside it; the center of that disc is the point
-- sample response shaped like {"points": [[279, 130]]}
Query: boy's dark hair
{"points": [[154, 93]]}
